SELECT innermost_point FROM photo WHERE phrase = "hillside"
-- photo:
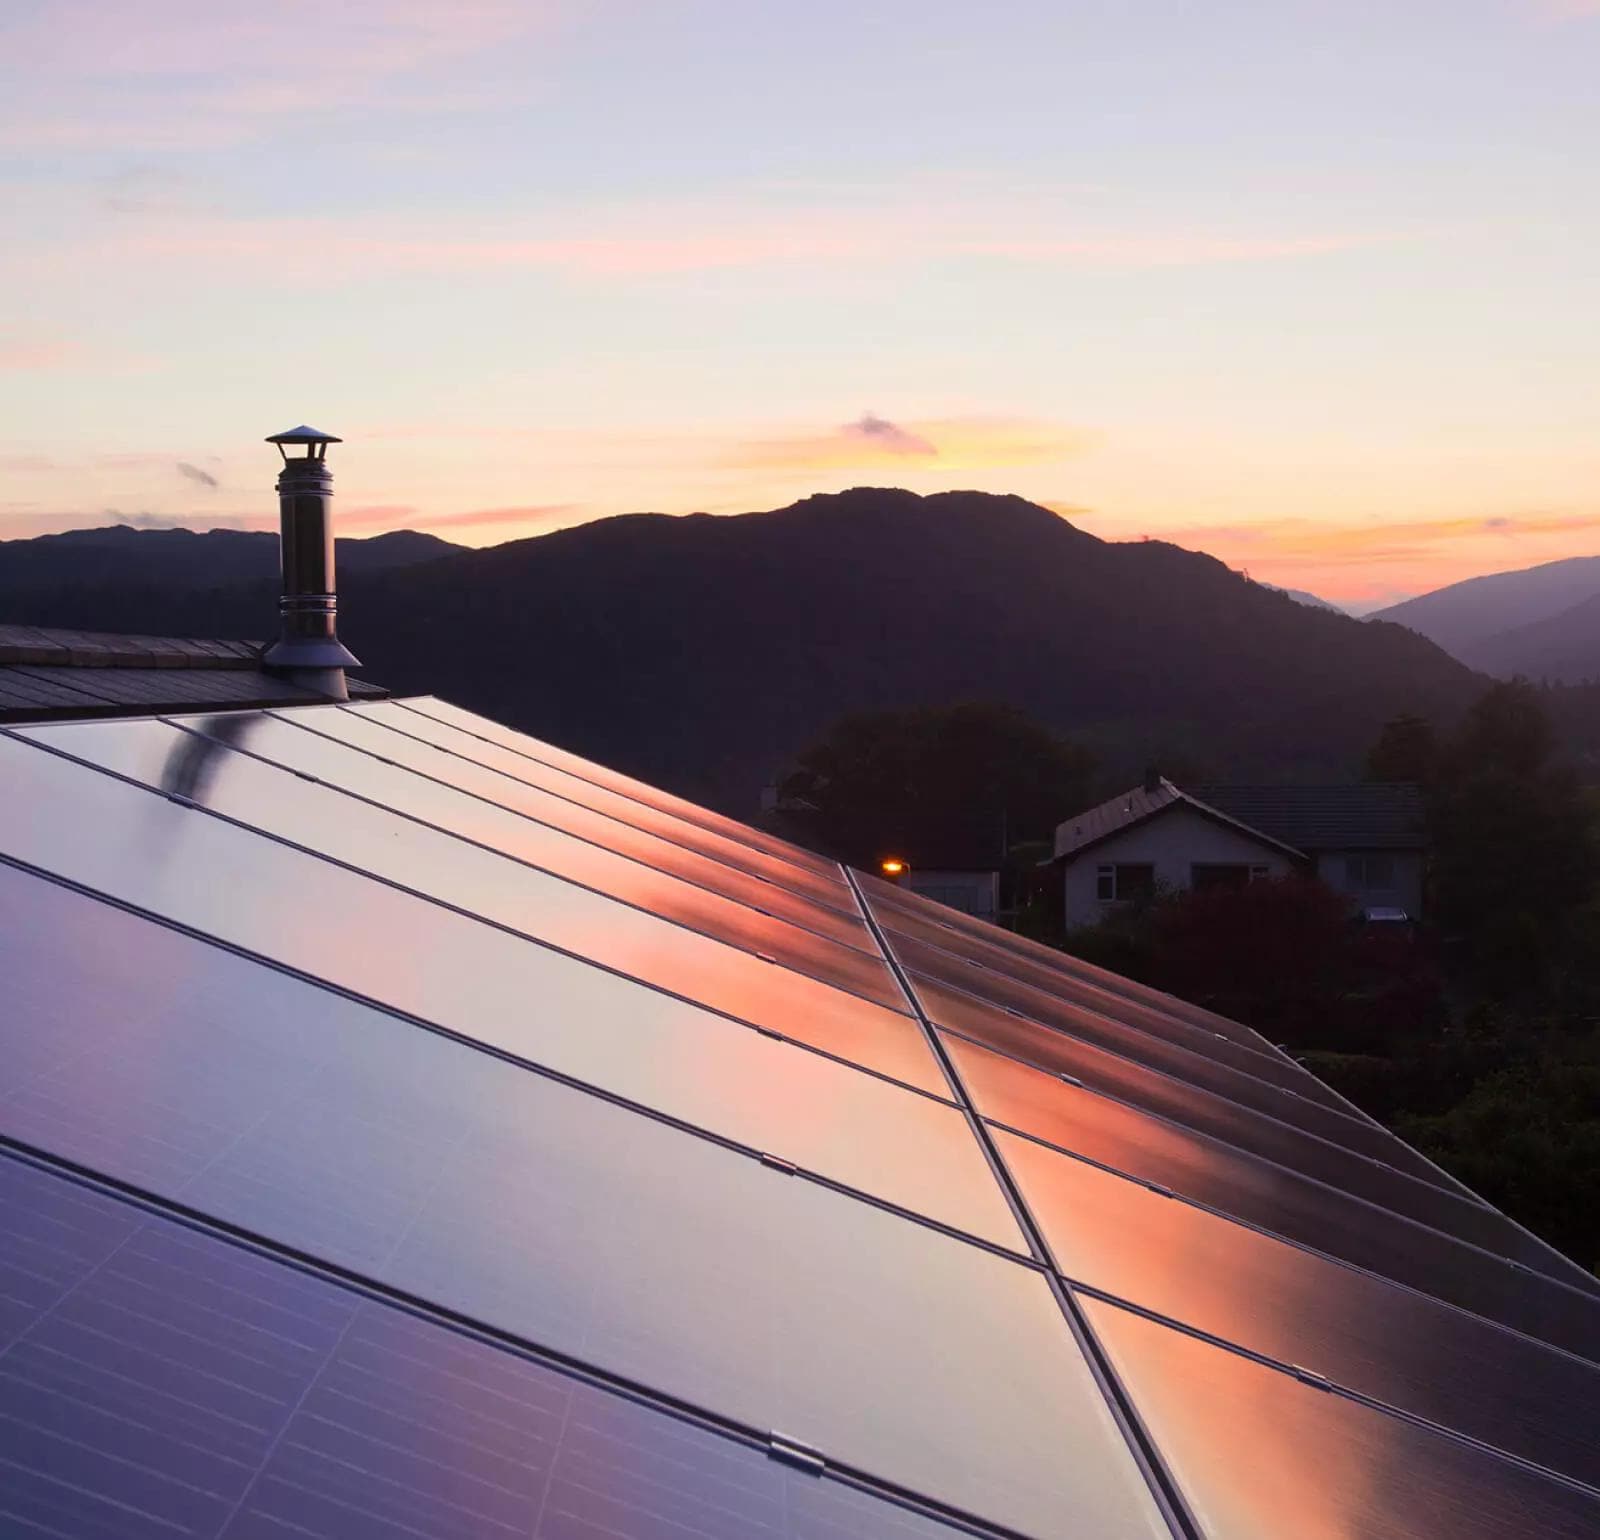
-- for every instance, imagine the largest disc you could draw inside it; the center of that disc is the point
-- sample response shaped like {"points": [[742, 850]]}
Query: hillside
{"points": [[1563, 647], [702, 652], [1469, 619]]}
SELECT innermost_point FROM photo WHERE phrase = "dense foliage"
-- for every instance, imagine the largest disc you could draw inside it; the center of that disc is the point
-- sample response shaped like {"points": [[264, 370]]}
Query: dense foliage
{"points": [[951, 785]]}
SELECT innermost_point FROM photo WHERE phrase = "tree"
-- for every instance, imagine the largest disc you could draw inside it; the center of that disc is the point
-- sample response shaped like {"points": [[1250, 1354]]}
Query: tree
{"points": [[1407, 750], [975, 774], [1513, 853]]}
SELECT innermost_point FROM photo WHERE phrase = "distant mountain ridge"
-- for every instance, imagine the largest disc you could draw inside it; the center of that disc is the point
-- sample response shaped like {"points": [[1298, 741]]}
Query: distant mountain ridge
{"points": [[1301, 596], [1540, 621], [702, 652]]}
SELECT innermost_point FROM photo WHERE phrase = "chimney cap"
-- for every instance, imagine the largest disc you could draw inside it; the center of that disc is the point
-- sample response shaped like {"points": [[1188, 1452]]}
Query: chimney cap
{"points": [[303, 435]]}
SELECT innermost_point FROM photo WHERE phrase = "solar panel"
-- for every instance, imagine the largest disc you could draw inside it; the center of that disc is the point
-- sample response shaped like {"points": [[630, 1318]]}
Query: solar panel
{"points": [[157, 1380], [1284, 1303], [137, 1049], [499, 1145], [1226, 1179], [1273, 1139], [708, 839], [953, 994], [648, 796], [377, 940], [1262, 1454], [540, 845], [611, 833], [479, 882]]}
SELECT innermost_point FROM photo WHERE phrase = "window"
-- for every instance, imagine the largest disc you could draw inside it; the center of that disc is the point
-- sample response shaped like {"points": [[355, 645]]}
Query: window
{"points": [[1370, 873], [1120, 884]]}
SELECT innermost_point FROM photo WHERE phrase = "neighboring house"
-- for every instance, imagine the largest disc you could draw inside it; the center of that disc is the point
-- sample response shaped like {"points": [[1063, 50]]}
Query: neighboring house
{"points": [[1364, 840], [1367, 839]]}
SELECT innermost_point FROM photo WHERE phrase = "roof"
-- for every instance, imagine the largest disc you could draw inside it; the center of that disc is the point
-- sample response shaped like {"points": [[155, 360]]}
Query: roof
{"points": [[51, 673], [1128, 809], [411, 1127], [1361, 815]]}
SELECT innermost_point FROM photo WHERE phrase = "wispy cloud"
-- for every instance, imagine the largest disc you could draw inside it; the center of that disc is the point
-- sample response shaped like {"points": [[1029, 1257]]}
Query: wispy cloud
{"points": [[1333, 544], [650, 238], [194, 473], [170, 73], [971, 443]]}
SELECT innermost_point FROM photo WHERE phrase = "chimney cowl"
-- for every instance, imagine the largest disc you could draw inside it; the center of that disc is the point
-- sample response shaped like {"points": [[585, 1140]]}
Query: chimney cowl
{"points": [[308, 651]]}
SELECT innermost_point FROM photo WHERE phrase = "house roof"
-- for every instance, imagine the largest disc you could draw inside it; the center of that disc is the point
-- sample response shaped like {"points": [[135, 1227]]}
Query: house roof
{"points": [[47, 673], [1352, 816], [410, 1125], [1128, 809]]}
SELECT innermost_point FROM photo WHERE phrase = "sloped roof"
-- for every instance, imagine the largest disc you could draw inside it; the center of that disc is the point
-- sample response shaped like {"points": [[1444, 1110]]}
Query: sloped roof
{"points": [[411, 1128], [50, 673], [1128, 809], [1351, 816]]}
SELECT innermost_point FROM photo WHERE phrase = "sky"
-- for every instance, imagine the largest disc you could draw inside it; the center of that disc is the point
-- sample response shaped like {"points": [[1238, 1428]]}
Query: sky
{"points": [[1308, 284]]}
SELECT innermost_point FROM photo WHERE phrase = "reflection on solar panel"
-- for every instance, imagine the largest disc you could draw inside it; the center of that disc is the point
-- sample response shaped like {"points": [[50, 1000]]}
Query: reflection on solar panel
{"points": [[409, 1128]]}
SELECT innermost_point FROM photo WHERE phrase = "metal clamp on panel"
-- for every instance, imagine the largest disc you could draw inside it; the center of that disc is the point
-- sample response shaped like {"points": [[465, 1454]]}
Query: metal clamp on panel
{"points": [[792, 1452], [1070, 1079], [1312, 1378], [778, 1163], [180, 799]]}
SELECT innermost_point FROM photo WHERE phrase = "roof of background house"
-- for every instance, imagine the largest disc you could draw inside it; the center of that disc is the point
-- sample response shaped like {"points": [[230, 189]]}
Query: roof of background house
{"points": [[48, 674], [1356, 816], [1128, 809]]}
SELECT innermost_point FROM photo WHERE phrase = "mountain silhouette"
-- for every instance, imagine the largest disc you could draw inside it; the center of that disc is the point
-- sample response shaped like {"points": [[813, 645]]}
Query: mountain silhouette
{"points": [[1536, 620], [702, 652]]}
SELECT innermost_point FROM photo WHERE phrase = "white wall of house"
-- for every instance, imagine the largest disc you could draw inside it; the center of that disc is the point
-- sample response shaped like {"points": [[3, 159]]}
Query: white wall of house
{"points": [[1173, 842], [1389, 879], [971, 892]]}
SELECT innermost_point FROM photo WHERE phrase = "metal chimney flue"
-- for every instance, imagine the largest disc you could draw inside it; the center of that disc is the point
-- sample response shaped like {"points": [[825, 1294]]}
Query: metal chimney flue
{"points": [[308, 650]]}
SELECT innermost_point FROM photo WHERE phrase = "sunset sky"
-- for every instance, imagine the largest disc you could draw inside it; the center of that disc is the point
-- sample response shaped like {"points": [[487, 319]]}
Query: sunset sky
{"points": [[1311, 286]]}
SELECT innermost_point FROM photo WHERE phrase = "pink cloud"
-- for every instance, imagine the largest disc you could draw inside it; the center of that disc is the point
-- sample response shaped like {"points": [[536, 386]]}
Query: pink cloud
{"points": [[25, 354], [654, 238], [477, 518]]}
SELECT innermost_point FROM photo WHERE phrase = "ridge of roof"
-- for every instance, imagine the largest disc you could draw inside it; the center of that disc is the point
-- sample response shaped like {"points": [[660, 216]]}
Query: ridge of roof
{"points": [[69, 648], [1129, 809]]}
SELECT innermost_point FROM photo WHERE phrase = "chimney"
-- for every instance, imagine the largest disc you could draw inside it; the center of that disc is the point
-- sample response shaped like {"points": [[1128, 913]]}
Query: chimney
{"points": [[308, 651], [1152, 780]]}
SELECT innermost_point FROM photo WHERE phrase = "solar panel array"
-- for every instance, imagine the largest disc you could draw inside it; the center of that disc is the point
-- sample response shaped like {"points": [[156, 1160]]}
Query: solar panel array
{"points": [[409, 1128]]}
